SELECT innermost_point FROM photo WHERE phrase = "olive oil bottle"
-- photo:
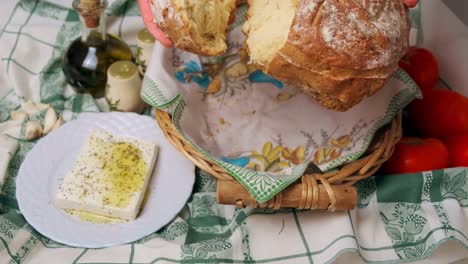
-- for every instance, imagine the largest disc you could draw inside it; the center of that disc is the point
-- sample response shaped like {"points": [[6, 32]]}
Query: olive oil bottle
{"points": [[87, 59]]}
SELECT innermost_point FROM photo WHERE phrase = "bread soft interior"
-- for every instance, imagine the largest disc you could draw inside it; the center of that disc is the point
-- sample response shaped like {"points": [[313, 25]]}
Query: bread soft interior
{"points": [[268, 25], [208, 21]]}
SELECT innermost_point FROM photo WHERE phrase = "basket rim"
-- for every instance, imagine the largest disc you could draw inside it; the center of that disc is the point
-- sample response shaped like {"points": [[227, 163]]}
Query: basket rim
{"points": [[348, 174]]}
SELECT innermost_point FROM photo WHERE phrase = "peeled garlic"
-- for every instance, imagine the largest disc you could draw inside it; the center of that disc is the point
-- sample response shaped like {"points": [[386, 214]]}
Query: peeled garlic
{"points": [[42, 106], [30, 108], [49, 120], [18, 115], [59, 122], [33, 130]]}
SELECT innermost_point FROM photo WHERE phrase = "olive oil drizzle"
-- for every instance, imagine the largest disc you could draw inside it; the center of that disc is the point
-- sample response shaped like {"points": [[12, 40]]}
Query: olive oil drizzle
{"points": [[123, 172]]}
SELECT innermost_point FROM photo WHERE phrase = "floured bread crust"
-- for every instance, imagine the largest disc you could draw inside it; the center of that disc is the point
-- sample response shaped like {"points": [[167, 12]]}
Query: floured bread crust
{"points": [[337, 51], [340, 51]]}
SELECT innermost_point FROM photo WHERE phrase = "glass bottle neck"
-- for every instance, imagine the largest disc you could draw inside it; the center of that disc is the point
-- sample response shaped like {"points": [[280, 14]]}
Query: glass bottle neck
{"points": [[94, 35], [93, 20]]}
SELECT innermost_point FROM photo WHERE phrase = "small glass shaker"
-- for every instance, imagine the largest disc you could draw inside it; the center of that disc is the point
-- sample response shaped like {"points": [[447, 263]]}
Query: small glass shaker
{"points": [[123, 88], [145, 44]]}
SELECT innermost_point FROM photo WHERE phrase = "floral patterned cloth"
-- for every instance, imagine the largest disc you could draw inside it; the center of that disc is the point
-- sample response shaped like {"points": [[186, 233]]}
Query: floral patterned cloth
{"points": [[262, 131], [400, 218]]}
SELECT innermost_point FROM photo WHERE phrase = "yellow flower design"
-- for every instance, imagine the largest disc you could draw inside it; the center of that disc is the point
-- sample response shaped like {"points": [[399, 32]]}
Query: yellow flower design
{"points": [[283, 96], [341, 142], [270, 159], [236, 70], [215, 86], [333, 151], [295, 156]]}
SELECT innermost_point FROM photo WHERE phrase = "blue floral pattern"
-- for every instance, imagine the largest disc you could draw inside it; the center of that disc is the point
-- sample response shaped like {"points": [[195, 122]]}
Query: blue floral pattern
{"points": [[192, 71]]}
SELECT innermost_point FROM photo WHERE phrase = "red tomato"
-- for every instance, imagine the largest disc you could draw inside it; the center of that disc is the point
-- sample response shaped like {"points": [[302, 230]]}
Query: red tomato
{"points": [[422, 66], [458, 150], [416, 155], [439, 114], [410, 3]]}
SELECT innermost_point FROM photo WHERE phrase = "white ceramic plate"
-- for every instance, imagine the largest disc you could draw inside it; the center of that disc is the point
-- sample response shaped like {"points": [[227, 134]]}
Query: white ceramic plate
{"points": [[53, 156]]}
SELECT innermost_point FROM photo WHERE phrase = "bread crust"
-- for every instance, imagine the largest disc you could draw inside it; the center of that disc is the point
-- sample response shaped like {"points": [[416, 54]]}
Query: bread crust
{"points": [[339, 77], [167, 15], [337, 51]]}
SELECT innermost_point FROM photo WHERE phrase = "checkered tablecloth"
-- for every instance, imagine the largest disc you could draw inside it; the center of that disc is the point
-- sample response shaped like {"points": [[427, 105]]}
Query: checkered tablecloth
{"points": [[400, 217]]}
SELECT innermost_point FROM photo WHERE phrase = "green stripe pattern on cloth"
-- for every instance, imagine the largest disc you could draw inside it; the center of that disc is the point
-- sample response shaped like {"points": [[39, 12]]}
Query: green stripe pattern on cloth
{"points": [[400, 217]]}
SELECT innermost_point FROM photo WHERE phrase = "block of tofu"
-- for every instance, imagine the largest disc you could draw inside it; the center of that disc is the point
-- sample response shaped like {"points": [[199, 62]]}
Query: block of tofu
{"points": [[110, 176]]}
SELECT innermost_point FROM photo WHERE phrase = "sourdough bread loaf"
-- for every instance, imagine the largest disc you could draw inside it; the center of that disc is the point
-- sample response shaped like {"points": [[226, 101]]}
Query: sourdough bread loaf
{"points": [[338, 51]]}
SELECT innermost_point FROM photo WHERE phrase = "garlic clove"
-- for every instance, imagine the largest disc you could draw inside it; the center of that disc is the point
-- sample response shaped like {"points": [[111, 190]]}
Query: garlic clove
{"points": [[30, 108], [49, 120], [42, 106], [33, 130], [59, 122], [18, 115]]}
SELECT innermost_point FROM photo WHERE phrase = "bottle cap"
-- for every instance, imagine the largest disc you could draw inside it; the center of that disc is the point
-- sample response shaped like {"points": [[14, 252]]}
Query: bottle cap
{"points": [[145, 37], [122, 70], [145, 43], [124, 87]]}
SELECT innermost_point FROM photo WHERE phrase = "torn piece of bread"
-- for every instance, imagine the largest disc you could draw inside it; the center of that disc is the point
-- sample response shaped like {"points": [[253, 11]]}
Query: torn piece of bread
{"points": [[193, 25], [337, 51]]}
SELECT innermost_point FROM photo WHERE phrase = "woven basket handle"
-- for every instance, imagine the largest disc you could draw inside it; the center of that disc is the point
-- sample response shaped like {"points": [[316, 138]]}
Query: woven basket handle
{"points": [[333, 190], [313, 192]]}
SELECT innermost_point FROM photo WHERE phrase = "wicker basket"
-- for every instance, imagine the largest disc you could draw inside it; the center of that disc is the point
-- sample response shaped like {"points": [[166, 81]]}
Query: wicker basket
{"points": [[307, 193]]}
